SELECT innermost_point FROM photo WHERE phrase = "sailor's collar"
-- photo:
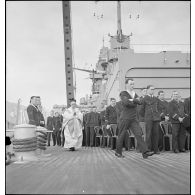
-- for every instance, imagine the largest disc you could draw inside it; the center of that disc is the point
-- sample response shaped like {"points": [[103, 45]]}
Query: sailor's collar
{"points": [[131, 93]]}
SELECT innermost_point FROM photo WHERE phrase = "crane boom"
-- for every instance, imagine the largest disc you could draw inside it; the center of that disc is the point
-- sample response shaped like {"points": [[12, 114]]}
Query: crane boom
{"points": [[85, 70], [91, 71], [68, 50]]}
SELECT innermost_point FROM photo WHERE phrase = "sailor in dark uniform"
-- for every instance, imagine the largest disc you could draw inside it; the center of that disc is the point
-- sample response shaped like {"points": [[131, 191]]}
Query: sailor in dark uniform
{"points": [[177, 114], [141, 118], [102, 114], [50, 126], [151, 113], [57, 123], [187, 110], [92, 120], [85, 141], [128, 119], [111, 115], [119, 108], [87, 126], [164, 115], [103, 120]]}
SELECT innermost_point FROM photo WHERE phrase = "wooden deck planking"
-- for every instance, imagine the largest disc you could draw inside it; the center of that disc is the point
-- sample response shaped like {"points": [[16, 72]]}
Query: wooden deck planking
{"points": [[97, 170]]}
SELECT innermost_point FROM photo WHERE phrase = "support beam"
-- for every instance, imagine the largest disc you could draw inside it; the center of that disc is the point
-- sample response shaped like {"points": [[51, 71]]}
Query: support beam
{"points": [[68, 51]]}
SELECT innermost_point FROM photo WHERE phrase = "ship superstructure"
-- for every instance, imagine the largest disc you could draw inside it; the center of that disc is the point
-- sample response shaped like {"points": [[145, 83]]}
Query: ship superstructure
{"points": [[166, 70]]}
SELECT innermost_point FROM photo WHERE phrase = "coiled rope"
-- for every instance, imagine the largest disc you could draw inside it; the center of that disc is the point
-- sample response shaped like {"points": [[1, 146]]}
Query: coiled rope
{"points": [[41, 140], [32, 143], [24, 145]]}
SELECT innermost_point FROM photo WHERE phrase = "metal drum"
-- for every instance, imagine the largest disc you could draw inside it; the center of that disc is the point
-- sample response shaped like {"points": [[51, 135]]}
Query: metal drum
{"points": [[25, 142]]}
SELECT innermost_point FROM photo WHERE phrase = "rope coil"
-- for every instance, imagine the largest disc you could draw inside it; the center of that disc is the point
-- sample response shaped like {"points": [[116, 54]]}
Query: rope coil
{"points": [[31, 144], [25, 149], [24, 141], [23, 145], [41, 140]]}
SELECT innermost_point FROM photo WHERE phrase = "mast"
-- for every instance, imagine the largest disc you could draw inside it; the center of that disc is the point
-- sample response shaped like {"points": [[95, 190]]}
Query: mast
{"points": [[119, 29], [68, 50]]}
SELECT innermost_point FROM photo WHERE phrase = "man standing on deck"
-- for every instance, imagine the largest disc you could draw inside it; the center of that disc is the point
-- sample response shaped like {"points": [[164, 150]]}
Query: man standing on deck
{"points": [[50, 126], [57, 123], [164, 115], [128, 119], [111, 115], [32, 112], [36, 118], [40, 114], [41, 135], [92, 120], [177, 115], [187, 110], [102, 114], [102, 118], [151, 111]]}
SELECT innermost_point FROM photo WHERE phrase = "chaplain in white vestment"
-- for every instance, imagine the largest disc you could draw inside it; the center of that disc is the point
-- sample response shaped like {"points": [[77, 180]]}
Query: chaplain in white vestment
{"points": [[72, 125]]}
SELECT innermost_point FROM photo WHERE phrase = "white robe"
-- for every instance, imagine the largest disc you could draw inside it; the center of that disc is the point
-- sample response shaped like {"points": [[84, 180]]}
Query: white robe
{"points": [[73, 128]]}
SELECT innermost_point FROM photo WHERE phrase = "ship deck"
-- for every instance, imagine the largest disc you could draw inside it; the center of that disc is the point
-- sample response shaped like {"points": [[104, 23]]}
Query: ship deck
{"points": [[97, 171]]}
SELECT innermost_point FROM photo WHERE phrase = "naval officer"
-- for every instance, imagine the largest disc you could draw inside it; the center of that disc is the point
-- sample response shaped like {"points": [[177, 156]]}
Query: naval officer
{"points": [[151, 111]]}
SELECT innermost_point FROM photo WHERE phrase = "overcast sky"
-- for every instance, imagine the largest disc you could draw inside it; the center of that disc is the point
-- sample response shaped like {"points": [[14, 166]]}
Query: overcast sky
{"points": [[35, 46]]}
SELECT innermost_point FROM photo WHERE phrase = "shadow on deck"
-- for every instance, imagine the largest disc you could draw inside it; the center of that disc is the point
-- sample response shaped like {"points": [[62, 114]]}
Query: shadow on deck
{"points": [[98, 171]]}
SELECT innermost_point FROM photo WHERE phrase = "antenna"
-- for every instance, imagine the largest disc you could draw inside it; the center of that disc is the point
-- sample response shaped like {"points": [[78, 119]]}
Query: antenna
{"points": [[119, 29]]}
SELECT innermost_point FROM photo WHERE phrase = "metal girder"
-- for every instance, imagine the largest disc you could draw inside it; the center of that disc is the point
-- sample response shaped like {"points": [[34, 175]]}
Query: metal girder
{"points": [[68, 50]]}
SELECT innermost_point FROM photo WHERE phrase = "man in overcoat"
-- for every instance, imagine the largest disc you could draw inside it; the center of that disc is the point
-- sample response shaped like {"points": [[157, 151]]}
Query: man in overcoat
{"points": [[32, 112]]}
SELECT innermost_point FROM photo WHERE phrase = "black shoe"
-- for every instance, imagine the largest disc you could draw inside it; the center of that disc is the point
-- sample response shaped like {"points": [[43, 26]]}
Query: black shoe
{"points": [[119, 155], [72, 149], [183, 150], [146, 154], [176, 151]]}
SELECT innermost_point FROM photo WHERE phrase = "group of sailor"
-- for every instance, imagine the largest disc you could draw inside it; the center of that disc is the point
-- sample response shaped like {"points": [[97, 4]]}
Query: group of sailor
{"points": [[141, 116]]}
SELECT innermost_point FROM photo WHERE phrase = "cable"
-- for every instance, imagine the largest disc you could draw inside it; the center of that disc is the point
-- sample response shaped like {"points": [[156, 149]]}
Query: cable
{"points": [[160, 44]]}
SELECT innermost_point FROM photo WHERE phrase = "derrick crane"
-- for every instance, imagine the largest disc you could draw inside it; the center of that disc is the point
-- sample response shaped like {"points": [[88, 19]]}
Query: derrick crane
{"points": [[94, 74], [68, 50]]}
